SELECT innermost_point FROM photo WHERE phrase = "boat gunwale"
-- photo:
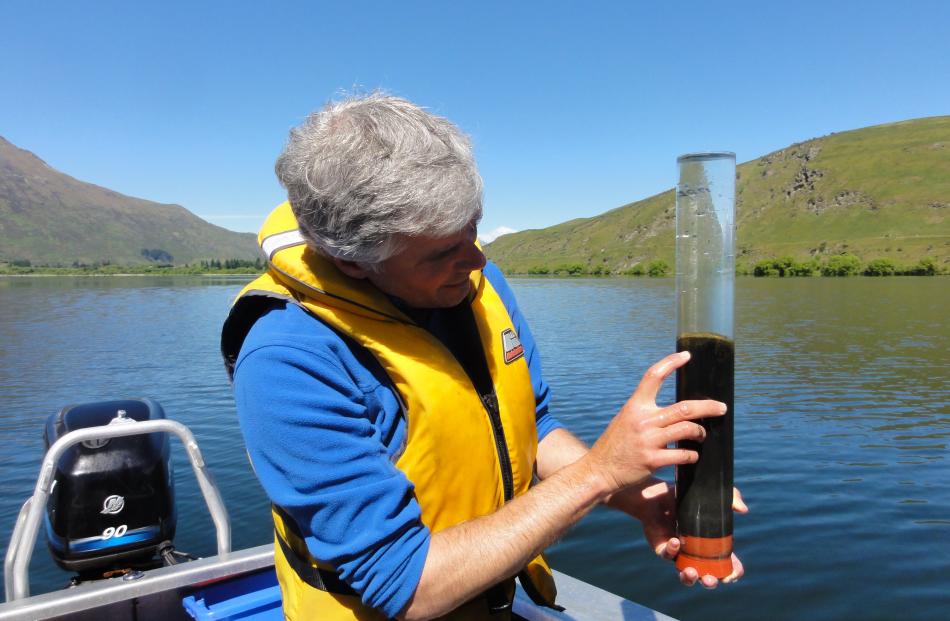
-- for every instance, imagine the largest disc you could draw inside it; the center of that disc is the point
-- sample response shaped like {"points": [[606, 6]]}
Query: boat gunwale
{"points": [[92, 595], [581, 600]]}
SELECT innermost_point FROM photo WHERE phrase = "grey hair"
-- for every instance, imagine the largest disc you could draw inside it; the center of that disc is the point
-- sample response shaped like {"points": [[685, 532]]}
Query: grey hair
{"points": [[365, 174]]}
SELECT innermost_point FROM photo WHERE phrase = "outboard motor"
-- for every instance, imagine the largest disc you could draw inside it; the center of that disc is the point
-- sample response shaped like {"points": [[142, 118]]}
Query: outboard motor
{"points": [[112, 504]]}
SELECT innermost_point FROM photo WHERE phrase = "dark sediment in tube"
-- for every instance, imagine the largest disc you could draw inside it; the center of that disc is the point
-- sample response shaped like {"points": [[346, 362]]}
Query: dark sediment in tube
{"points": [[704, 489]]}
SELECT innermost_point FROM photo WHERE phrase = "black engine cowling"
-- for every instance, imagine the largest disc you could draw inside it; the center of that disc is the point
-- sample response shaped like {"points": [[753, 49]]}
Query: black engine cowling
{"points": [[112, 503]]}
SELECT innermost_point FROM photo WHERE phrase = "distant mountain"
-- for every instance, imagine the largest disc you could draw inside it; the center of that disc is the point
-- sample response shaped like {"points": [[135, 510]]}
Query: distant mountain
{"points": [[877, 192], [48, 217]]}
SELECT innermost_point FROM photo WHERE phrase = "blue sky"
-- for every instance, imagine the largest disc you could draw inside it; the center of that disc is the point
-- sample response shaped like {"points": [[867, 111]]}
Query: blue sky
{"points": [[574, 108]]}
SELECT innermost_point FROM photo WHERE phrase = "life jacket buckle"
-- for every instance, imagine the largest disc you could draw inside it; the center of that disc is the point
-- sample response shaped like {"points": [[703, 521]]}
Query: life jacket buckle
{"points": [[498, 600]]}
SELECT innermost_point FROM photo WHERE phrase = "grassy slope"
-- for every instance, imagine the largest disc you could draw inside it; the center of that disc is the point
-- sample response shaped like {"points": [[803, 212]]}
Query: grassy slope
{"points": [[49, 217], [881, 191]]}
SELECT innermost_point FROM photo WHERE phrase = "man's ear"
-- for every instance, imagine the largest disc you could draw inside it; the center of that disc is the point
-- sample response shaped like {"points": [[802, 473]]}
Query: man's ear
{"points": [[350, 268]]}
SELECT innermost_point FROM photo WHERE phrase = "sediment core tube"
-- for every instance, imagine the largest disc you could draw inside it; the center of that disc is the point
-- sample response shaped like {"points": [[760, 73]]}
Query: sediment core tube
{"points": [[705, 281]]}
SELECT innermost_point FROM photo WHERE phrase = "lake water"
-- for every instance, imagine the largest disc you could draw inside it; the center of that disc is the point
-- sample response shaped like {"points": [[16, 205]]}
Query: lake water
{"points": [[842, 424]]}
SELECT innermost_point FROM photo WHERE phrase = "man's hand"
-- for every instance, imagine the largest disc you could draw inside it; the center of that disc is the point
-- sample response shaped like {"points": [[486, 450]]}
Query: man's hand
{"points": [[466, 559], [635, 443], [654, 504]]}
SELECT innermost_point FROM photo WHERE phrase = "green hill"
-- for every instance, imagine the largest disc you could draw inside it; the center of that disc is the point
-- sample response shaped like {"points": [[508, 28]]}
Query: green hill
{"points": [[49, 218], [876, 192]]}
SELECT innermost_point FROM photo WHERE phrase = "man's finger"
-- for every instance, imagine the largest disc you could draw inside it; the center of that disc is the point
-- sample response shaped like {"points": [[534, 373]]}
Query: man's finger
{"points": [[673, 457], [737, 571], [668, 549], [689, 576], [683, 431], [685, 410], [738, 504], [649, 386], [655, 488]]}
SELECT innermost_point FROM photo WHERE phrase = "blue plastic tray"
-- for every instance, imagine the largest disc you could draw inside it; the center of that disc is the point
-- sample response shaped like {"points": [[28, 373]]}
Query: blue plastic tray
{"points": [[250, 597]]}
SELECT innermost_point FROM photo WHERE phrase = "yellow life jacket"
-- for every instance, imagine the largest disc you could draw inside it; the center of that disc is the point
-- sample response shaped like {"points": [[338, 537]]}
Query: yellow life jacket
{"points": [[459, 456]]}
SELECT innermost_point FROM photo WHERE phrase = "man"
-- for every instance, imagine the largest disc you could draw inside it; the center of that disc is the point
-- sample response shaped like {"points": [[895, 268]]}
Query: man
{"points": [[390, 392]]}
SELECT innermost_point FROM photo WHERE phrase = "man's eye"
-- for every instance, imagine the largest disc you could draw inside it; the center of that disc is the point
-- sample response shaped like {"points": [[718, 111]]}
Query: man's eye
{"points": [[443, 254]]}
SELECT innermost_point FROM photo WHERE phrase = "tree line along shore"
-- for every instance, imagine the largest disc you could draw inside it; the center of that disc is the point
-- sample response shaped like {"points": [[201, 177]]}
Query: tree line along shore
{"points": [[107, 268], [781, 267]]}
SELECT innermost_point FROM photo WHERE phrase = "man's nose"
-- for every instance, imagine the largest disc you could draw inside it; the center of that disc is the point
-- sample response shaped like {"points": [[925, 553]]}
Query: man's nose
{"points": [[474, 258]]}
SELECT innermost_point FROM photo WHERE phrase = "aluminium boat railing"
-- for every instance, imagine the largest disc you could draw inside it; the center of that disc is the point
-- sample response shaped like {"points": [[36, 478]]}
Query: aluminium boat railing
{"points": [[16, 564]]}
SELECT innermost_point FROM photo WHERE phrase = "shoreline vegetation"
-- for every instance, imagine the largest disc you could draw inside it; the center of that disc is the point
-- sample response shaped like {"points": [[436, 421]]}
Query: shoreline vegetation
{"points": [[213, 267], [782, 267]]}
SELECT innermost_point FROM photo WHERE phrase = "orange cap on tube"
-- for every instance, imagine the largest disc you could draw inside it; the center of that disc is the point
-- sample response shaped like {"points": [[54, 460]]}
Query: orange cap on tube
{"points": [[708, 555]]}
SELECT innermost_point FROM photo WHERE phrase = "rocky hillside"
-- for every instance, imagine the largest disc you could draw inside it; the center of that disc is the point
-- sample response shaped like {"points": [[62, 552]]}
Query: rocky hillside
{"points": [[50, 218], [876, 192]]}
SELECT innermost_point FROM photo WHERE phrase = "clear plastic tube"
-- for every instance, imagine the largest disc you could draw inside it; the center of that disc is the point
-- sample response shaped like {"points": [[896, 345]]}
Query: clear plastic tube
{"points": [[705, 281]]}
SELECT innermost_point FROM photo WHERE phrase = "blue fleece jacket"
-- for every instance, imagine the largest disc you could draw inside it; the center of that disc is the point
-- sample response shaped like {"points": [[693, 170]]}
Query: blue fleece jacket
{"points": [[322, 427]]}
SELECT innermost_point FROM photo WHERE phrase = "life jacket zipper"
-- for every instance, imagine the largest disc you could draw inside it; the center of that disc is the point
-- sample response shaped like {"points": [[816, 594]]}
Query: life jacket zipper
{"points": [[471, 357], [490, 401]]}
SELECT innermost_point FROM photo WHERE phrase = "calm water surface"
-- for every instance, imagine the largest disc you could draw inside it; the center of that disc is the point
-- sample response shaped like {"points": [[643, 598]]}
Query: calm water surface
{"points": [[842, 424]]}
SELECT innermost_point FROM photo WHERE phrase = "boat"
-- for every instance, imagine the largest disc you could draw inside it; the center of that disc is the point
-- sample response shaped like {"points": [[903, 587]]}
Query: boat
{"points": [[131, 570]]}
